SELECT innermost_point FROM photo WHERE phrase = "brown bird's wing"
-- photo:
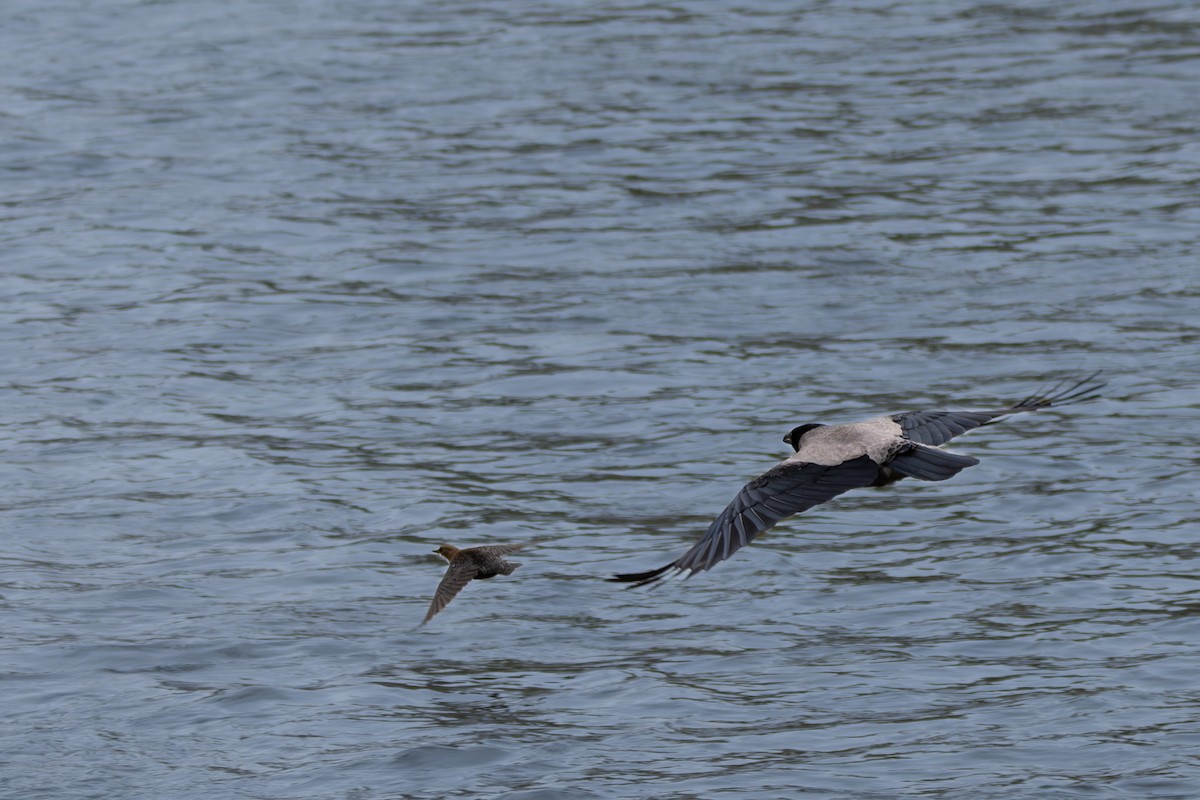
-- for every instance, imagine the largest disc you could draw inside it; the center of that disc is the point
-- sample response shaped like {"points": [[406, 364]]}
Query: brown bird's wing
{"points": [[775, 495], [499, 549], [457, 576], [939, 427]]}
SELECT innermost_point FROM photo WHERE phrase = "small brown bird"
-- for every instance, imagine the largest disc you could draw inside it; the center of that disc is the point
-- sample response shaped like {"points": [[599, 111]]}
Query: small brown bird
{"points": [[472, 562]]}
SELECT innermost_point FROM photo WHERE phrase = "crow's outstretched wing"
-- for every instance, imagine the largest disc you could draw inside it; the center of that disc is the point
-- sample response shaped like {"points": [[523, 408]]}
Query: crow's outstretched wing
{"points": [[939, 427], [775, 495]]}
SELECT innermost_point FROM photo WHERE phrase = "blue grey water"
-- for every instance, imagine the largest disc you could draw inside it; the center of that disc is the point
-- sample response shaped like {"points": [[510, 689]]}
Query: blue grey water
{"points": [[294, 292]]}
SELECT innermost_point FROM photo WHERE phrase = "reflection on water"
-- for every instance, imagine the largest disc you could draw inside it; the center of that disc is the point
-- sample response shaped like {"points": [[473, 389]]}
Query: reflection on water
{"points": [[295, 295]]}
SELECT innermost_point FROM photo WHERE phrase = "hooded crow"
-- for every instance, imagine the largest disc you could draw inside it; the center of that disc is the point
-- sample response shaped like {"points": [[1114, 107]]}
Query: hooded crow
{"points": [[832, 459]]}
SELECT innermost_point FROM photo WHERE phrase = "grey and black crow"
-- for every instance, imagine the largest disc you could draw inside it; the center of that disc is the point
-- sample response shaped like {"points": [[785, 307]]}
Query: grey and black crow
{"points": [[831, 459]]}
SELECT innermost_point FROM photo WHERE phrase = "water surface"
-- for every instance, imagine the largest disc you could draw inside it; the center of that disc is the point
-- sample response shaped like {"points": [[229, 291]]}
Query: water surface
{"points": [[293, 293]]}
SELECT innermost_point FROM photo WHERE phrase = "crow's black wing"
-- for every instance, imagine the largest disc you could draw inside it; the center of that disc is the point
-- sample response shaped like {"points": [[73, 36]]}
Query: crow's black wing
{"points": [[939, 427], [775, 495]]}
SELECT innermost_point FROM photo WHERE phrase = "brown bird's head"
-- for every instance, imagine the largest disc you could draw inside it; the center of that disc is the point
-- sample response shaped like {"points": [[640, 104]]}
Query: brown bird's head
{"points": [[447, 551]]}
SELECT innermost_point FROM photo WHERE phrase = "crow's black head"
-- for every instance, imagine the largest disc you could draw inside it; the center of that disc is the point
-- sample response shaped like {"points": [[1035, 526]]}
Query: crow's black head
{"points": [[793, 437]]}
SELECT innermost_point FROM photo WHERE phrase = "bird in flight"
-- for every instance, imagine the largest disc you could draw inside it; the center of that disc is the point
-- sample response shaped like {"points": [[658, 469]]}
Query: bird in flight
{"points": [[832, 459], [471, 562]]}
